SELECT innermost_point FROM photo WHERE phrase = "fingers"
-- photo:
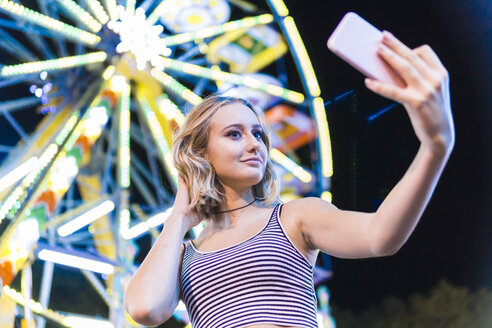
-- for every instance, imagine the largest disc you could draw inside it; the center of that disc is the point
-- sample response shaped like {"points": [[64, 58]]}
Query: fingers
{"points": [[402, 66], [431, 59], [402, 50], [386, 90]]}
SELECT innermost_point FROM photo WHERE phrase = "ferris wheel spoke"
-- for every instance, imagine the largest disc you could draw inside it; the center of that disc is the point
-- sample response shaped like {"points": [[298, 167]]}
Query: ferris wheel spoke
{"points": [[18, 104], [98, 10], [52, 11], [175, 87], [53, 64], [15, 48], [216, 75], [14, 9], [13, 122], [80, 15], [158, 11], [210, 31], [111, 8]]}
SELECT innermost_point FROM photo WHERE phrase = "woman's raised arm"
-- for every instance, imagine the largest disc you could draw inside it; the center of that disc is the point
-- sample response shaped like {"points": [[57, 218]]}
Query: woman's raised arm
{"points": [[152, 294], [426, 99]]}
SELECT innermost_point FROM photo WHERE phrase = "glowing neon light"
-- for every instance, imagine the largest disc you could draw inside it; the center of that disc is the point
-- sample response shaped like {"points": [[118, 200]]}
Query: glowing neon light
{"points": [[81, 15], [278, 6], [112, 9], [34, 306], [248, 81], [159, 138], [97, 10], [158, 11], [13, 201], [124, 138], [18, 173], [130, 5], [304, 62], [150, 223], [324, 137], [86, 218], [290, 165], [217, 29], [82, 322], [168, 108], [49, 23], [75, 261], [176, 87], [326, 195], [53, 64]]}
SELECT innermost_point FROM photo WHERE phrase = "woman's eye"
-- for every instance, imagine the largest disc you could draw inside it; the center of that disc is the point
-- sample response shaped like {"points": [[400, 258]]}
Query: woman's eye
{"points": [[258, 134], [234, 134]]}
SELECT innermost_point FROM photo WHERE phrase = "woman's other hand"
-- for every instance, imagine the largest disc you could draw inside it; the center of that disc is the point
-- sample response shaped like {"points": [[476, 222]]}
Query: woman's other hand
{"points": [[181, 208], [426, 95]]}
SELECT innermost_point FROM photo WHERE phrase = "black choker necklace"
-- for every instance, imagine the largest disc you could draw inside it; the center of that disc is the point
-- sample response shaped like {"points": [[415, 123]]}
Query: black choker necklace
{"points": [[236, 208]]}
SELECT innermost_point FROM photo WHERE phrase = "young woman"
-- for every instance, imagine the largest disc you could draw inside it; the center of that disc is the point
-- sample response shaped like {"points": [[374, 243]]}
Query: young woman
{"points": [[252, 264]]}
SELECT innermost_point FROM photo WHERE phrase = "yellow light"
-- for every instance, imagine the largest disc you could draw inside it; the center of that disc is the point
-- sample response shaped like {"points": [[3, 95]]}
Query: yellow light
{"points": [[290, 166], [180, 90], [50, 23], [158, 11], [326, 195], [300, 50], [279, 7], [108, 72], [98, 10], [80, 14], [53, 64], [324, 137]]}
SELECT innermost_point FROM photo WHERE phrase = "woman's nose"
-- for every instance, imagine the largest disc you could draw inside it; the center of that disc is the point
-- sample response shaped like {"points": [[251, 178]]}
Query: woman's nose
{"points": [[253, 143]]}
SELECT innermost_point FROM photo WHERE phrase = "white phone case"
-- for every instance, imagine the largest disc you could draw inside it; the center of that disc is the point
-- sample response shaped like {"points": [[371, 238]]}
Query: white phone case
{"points": [[355, 41]]}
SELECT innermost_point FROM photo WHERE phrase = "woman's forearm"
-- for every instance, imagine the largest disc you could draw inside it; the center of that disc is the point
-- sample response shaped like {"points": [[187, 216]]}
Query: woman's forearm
{"points": [[152, 293], [401, 210]]}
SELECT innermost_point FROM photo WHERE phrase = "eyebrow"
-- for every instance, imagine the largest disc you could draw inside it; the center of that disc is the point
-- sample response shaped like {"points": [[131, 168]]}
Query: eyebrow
{"points": [[241, 126]]}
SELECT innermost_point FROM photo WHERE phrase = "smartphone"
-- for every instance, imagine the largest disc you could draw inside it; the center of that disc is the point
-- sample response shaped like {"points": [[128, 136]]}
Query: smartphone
{"points": [[356, 41]]}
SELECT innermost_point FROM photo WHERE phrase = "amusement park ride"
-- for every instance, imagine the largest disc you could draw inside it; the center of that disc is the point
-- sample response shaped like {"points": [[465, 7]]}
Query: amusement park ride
{"points": [[90, 95]]}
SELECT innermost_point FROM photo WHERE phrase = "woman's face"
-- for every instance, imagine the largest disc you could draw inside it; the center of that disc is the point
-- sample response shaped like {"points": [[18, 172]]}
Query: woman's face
{"points": [[235, 147]]}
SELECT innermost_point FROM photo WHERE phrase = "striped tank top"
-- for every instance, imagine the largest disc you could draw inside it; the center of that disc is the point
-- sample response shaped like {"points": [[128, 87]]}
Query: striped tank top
{"points": [[262, 280]]}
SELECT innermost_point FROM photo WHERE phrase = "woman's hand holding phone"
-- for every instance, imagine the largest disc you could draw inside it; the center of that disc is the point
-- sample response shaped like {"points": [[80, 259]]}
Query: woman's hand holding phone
{"points": [[426, 94]]}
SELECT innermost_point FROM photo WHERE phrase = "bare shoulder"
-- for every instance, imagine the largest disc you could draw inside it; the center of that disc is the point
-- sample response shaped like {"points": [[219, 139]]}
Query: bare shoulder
{"points": [[298, 212], [303, 207]]}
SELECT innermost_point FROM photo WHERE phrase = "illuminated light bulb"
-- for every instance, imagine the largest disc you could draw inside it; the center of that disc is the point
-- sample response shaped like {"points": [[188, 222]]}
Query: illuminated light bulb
{"points": [[18, 173], [143, 227], [81, 322], [98, 115], [75, 261], [139, 37], [86, 218]]}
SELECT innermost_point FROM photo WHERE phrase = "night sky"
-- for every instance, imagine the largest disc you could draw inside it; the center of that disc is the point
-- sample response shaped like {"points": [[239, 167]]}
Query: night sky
{"points": [[452, 241]]}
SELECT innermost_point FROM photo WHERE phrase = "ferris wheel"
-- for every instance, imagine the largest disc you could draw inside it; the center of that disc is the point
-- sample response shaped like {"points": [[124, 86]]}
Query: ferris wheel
{"points": [[91, 93]]}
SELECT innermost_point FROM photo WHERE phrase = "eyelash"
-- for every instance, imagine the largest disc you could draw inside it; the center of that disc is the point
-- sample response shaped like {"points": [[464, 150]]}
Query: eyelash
{"points": [[230, 133]]}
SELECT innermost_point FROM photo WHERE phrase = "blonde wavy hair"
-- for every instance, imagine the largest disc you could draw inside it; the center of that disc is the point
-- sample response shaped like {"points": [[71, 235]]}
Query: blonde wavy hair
{"points": [[189, 149]]}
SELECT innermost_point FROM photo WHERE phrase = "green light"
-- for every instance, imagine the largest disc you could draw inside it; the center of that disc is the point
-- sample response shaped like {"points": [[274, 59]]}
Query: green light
{"points": [[49, 23], [176, 87], [154, 17], [218, 29], [124, 138], [98, 10], [159, 138], [195, 70], [81, 15], [53, 64]]}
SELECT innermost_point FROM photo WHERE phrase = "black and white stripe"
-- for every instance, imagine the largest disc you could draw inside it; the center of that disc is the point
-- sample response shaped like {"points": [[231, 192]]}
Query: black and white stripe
{"points": [[264, 279]]}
